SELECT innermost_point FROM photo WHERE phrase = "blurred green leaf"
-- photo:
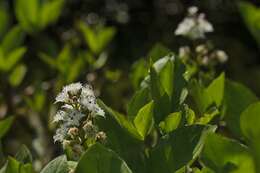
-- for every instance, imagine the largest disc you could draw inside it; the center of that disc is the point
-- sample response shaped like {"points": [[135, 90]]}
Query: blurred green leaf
{"points": [[138, 72], [97, 40], [5, 125], [98, 159], [13, 39], [237, 98], [4, 18], [35, 15], [144, 119], [17, 75], [158, 51], [13, 58], [251, 16], [58, 165], [24, 155], [225, 155], [50, 12]]}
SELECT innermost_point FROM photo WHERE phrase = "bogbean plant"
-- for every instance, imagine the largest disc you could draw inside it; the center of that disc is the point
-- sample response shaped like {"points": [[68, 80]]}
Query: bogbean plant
{"points": [[184, 117]]}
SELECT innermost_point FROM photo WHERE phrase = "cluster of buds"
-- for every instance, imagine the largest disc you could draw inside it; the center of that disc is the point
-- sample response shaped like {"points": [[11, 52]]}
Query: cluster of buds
{"points": [[194, 26], [76, 117], [204, 55]]}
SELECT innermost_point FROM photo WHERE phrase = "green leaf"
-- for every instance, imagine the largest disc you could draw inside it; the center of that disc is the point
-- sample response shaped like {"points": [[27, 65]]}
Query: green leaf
{"points": [[216, 89], [140, 98], [249, 120], [98, 159], [13, 58], [27, 13], [5, 125], [13, 39], [17, 75], [97, 40], [58, 165], [50, 12], [48, 60], [212, 95], [144, 119], [158, 51], [249, 123], [24, 155], [122, 120], [251, 16], [183, 145], [4, 19], [237, 99], [138, 72], [13, 166], [171, 122], [225, 155]]}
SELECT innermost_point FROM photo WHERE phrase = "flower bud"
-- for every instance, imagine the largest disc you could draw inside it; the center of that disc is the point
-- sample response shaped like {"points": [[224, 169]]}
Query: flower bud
{"points": [[66, 143], [74, 131], [101, 136]]}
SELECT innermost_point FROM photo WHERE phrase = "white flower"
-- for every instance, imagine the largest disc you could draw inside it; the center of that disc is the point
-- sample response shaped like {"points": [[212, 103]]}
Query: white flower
{"points": [[72, 89], [61, 134], [70, 117], [194, 26], [222, 56]]}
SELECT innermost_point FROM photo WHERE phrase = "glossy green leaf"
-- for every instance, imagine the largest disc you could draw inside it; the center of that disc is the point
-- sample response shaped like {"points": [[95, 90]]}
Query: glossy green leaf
{"points": [[98, 159], [58, 165], [5, 125], [171, 122], [144, 119], [216, 89], [225, 155]]}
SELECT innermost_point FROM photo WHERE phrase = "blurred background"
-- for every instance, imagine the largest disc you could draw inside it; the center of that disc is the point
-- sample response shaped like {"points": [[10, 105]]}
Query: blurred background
{"points": [[45, 44]]}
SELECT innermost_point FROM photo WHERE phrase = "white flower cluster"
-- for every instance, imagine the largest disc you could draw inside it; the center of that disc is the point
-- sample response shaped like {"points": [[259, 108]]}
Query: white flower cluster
{"points": [[78, 102], [194, 26]]}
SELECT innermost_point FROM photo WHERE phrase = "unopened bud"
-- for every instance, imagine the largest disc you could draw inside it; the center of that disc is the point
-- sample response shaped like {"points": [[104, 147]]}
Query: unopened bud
{"points": [[101, 136], [74, 131], [66, 143]]}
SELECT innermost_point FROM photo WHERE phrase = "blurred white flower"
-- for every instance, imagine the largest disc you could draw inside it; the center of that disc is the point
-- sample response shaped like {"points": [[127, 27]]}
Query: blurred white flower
{"points": [[221, 56], [194, 26]]}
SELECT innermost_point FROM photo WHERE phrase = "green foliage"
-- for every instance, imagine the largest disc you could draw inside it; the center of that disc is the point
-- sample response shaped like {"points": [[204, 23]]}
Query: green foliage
{"points": [[237, 99], [58, 165], [225, 155], [5, 125], [97, 40], [34, 15], [251, 16], [98, 159]]}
